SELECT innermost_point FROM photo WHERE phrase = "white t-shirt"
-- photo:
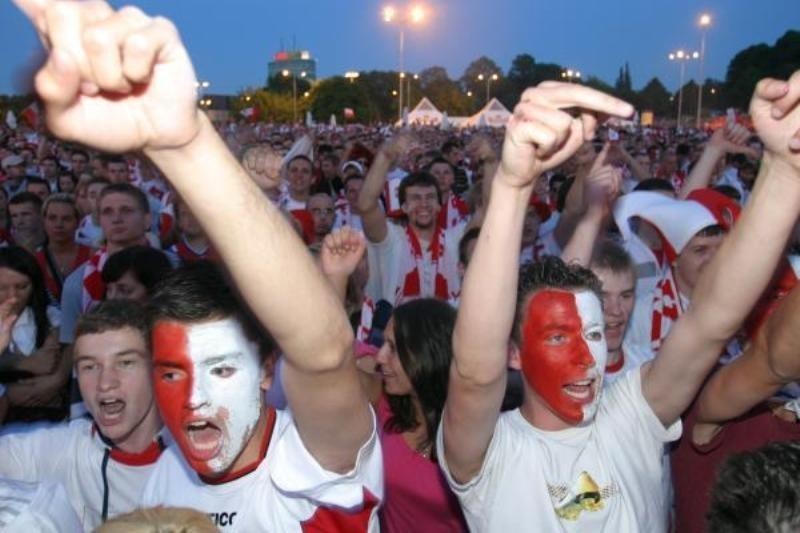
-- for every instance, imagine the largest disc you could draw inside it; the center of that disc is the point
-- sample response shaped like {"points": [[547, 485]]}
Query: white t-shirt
{"points": [[36, 507], [605, 476], [392, 259], [287, 489], [72, 454]]}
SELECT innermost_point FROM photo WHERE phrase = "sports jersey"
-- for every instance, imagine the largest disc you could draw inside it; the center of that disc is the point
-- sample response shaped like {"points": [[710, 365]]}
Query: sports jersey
{"points": [[287, 491], [76, 455], [602, 476]]}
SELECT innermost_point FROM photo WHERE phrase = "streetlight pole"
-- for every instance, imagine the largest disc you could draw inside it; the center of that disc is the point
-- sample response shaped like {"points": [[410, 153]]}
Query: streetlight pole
{"points": [[294, 91], [489, 80], [705, 22], [414, 15], [681, 57]]}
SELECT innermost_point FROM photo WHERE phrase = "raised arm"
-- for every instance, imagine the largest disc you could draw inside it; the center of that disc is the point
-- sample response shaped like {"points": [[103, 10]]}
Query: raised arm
{"points": [[732, 282], [769, 363], [369, 206], [134, 68], [729, 140], [339, 256], [539, 136], [602, 188]]}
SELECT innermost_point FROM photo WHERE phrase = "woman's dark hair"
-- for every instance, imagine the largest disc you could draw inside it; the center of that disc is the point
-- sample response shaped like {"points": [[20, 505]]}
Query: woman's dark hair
{"points": [[423, 331], [148, 265], [20, 260]]}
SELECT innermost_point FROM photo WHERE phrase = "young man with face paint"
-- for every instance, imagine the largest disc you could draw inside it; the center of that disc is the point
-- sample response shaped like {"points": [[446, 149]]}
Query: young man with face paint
{"points": [[103, 463], [574, 458], [324, 450]]}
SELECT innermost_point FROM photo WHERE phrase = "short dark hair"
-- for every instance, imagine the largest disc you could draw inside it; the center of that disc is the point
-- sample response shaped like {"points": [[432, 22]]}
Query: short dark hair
{"points": [[300, 157], [148, 265], [654, 184], [423, 332], [200, 291], [711, 231], [418, 179], [112, 315], [26, 197], [97, 180], [450, 145], [758, 491], [34, 180], [130, 190], [550, 272], [78, 151], [609, 255], [470, 235], [440, 161]]}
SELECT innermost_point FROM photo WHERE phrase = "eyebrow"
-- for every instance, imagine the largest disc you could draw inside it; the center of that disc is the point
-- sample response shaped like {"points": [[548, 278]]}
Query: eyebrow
{"points": [[116, 354], [211, 361]]}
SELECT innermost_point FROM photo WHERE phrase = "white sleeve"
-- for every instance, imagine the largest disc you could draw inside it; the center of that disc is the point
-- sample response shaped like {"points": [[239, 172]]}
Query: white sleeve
{"points": [[28, 451], [633, 417], [476, 494], [295, 471]]}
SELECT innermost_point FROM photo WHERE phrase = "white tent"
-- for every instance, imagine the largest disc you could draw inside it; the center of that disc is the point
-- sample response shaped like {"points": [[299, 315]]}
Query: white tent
{"points": [[494, 114], [425, 113]]}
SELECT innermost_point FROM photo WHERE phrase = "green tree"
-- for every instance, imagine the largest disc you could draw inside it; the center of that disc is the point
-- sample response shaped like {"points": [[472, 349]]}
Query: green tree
{"points": [[483, 68], [655, 97], [332, 95], [443, 92]]}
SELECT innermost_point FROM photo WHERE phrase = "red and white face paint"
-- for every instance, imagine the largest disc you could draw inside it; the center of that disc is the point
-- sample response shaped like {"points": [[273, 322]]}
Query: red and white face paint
{"points": [[207, 386], [564, 352]]}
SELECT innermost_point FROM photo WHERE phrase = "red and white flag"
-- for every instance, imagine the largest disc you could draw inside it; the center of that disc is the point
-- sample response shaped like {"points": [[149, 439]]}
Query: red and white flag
{"points": [[31, 115]]}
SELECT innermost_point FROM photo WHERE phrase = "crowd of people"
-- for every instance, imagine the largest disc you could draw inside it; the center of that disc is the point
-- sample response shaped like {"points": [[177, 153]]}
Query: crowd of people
{"points": [[566, 324]]}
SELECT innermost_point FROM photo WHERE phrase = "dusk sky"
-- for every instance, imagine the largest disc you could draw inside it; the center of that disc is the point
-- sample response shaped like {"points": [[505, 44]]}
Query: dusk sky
{"points": [[231, 41]]}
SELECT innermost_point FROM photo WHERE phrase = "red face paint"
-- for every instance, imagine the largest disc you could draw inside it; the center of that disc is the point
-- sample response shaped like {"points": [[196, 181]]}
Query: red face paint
{"points": [[563, 352], [173, 378]]}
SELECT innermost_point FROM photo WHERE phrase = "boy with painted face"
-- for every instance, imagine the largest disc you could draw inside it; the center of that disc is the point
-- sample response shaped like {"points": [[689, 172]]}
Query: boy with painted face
{"points": [[238, 458], [102, 463], [571, 458], [327, 443]]}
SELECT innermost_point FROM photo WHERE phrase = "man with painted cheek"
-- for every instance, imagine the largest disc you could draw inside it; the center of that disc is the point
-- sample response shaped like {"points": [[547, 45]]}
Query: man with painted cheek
{"points": [[208, 387], [237, 459], [557, 463], [563, 355]]}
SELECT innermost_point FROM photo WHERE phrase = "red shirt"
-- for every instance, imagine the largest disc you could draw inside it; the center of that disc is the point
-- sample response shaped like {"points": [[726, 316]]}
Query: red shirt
{"points": [[694, 467]]}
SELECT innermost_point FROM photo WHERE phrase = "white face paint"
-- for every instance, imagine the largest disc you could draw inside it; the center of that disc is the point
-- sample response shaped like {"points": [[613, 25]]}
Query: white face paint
{"points": [[591, 312], [208, 387]]}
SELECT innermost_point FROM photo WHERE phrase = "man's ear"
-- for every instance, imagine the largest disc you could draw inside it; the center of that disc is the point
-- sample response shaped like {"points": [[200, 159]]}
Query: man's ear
{"points": [[268, 370], [404, 208], [514, 360]]}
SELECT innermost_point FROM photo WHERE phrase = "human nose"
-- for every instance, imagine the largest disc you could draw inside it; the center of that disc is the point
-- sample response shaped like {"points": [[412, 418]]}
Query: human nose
{"points": [[197, 395], [109, 379], [583, 356]]}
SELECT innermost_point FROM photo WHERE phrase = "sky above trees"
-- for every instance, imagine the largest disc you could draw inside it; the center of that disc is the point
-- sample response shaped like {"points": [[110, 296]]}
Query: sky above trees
{"points": [[232, 41]]}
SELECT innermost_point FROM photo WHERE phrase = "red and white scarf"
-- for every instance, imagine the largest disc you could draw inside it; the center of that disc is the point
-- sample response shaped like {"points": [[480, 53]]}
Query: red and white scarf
{"points": [[666, 309], [94, 289], [412, 283], [454, 211], [365, 325]]}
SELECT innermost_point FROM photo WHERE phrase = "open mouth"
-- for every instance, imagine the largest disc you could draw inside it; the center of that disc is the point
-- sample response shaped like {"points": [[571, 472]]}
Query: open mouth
{"points": [[110, 411], [581, 391], [205, 439]]}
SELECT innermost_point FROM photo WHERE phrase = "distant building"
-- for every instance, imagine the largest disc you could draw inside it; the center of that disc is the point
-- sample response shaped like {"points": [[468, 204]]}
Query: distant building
{"points": [[296, 61]]}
